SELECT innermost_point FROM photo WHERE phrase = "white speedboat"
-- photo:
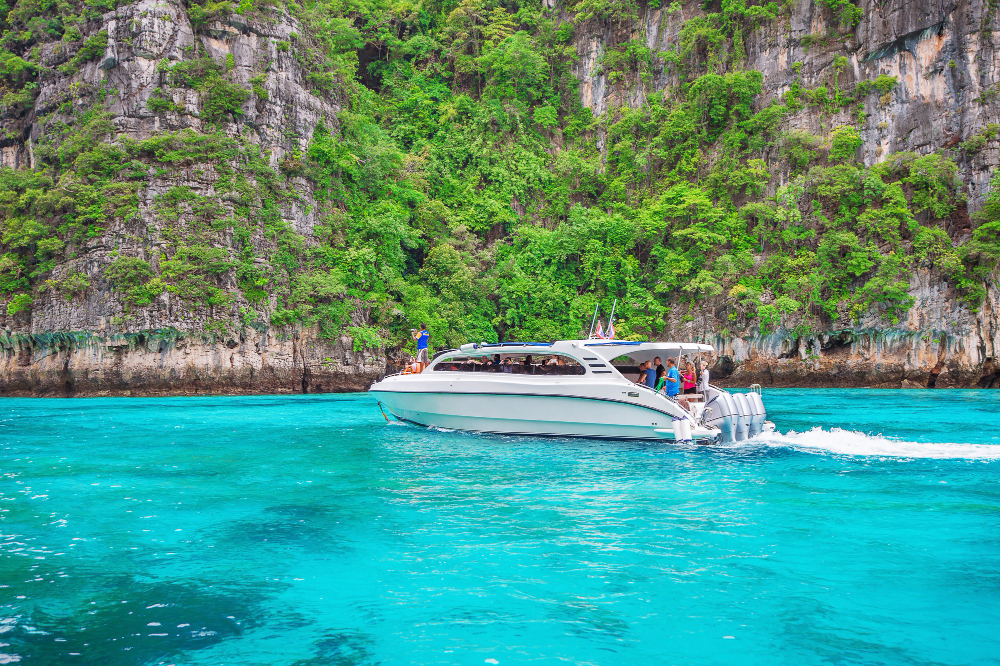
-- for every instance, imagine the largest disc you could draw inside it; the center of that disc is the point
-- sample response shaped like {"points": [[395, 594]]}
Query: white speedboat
{"points": [[569, 388]]}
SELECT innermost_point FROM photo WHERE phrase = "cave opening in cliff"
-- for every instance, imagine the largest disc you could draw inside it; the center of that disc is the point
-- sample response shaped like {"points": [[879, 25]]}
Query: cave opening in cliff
{"points": [[723, 368], [933, 376], [370, 66], [837, 344], [990, 377]]}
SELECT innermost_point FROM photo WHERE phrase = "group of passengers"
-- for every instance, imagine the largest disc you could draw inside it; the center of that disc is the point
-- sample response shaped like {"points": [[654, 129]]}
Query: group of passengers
{"points": [[528, 365], [667, 378], [651, 373]]}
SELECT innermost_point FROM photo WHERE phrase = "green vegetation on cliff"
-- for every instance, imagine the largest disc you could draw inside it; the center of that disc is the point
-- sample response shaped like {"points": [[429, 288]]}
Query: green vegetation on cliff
{"points": [[465, 185]]}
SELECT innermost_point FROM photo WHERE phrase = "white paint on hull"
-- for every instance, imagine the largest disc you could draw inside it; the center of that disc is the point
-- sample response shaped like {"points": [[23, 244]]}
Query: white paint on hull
{"points": [[538, 413]]}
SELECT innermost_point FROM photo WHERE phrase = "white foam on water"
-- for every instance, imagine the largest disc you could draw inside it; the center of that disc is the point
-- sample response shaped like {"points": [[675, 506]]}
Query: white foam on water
{"points": [[853, 443], [440, 429]]}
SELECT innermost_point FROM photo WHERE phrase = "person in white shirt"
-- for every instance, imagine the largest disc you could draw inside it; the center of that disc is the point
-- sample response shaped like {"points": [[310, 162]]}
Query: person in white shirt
{"points": [[703, 379]]}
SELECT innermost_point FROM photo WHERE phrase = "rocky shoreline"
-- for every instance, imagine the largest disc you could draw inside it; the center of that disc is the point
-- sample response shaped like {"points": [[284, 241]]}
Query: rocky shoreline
{"points": [[162, 363], [167, 363]]}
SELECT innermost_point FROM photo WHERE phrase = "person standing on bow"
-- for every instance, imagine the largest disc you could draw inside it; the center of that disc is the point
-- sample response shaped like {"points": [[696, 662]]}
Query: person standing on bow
{"points": [[421, 336]]}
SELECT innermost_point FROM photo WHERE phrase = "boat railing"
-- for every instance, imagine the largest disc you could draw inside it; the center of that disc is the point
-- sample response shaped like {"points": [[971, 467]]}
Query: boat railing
{"points": [[688, 398], [696, 397]]}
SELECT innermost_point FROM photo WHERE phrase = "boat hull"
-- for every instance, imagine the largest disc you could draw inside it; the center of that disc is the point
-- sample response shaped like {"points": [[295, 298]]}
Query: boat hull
{"points": [[539, 414]]}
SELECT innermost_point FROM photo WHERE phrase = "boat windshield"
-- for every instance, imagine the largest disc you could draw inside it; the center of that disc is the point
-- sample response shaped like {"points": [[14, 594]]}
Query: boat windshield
{"points": [[517, 364]]}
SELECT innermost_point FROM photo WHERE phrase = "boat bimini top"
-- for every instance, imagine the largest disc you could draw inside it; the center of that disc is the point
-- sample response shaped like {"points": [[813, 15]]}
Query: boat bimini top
{"points": [[644, 351], [606, 350]]}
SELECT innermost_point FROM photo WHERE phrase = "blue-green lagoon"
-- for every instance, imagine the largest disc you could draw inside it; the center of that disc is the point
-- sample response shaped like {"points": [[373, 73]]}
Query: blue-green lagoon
{"points": [[305, 530]]}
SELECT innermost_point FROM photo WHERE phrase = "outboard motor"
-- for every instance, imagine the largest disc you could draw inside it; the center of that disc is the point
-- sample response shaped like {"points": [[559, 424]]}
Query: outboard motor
{"points": [[721, 412], [745, 415], [759, 413]]}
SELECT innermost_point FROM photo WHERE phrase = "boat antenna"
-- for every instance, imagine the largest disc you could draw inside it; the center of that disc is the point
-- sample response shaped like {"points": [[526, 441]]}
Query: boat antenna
{"points": [[611, 319], [593, 321]]}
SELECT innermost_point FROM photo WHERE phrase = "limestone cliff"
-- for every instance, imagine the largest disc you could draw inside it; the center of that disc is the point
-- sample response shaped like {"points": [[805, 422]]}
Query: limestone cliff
{"points": [[212, 113], [94, 342], [945, 55]]}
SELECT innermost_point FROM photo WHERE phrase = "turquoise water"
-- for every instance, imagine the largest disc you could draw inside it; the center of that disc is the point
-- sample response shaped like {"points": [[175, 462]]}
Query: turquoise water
{"points": [[305, 530]]}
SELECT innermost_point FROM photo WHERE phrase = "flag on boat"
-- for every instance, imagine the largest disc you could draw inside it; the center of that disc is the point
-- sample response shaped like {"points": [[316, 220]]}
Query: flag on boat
{"points": [[599, 333], [611, 330]]}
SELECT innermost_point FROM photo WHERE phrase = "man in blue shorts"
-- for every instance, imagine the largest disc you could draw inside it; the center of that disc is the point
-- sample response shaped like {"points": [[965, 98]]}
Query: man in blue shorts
{"points": [[421, 337]]}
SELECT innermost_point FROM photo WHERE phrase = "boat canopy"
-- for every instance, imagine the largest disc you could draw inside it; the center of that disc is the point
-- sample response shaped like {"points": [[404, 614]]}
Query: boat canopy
{"points": [[644, 351], [604, 349]]}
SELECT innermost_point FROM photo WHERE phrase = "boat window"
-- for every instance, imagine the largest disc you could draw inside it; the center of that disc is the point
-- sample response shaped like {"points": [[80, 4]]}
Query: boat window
{"points": [[626, 365], [517, 364]]}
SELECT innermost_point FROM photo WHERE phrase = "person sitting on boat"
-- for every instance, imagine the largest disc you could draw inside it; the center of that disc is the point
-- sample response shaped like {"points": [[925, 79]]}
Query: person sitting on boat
{"points": [[495, 366], [409, 367], [650, 375], [507, 365], [528, 367], [673, 383], [421, 336], [688, 377]]}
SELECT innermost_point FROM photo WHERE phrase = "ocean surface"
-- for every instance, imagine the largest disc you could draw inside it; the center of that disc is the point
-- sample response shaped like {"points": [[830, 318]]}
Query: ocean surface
{"points": [[306, 530]]}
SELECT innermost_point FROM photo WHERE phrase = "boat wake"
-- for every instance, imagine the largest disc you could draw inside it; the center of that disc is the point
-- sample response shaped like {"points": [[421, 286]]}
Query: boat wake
{"points": [[853, 443]]}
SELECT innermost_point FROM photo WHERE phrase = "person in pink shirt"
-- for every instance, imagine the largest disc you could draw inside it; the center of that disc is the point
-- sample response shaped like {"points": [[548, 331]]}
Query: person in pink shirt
{"points": [[688, 377]]}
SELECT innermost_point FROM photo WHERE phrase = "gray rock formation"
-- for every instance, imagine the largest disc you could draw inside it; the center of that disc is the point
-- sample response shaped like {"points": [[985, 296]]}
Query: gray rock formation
{"points": [[945, 55], [93, 344], [168, 363]]}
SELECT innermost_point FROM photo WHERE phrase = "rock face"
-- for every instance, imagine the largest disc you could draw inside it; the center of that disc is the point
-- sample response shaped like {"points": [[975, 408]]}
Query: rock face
{"points": [[940, 345], [147, 364], [944, 54], [92, 343]]}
